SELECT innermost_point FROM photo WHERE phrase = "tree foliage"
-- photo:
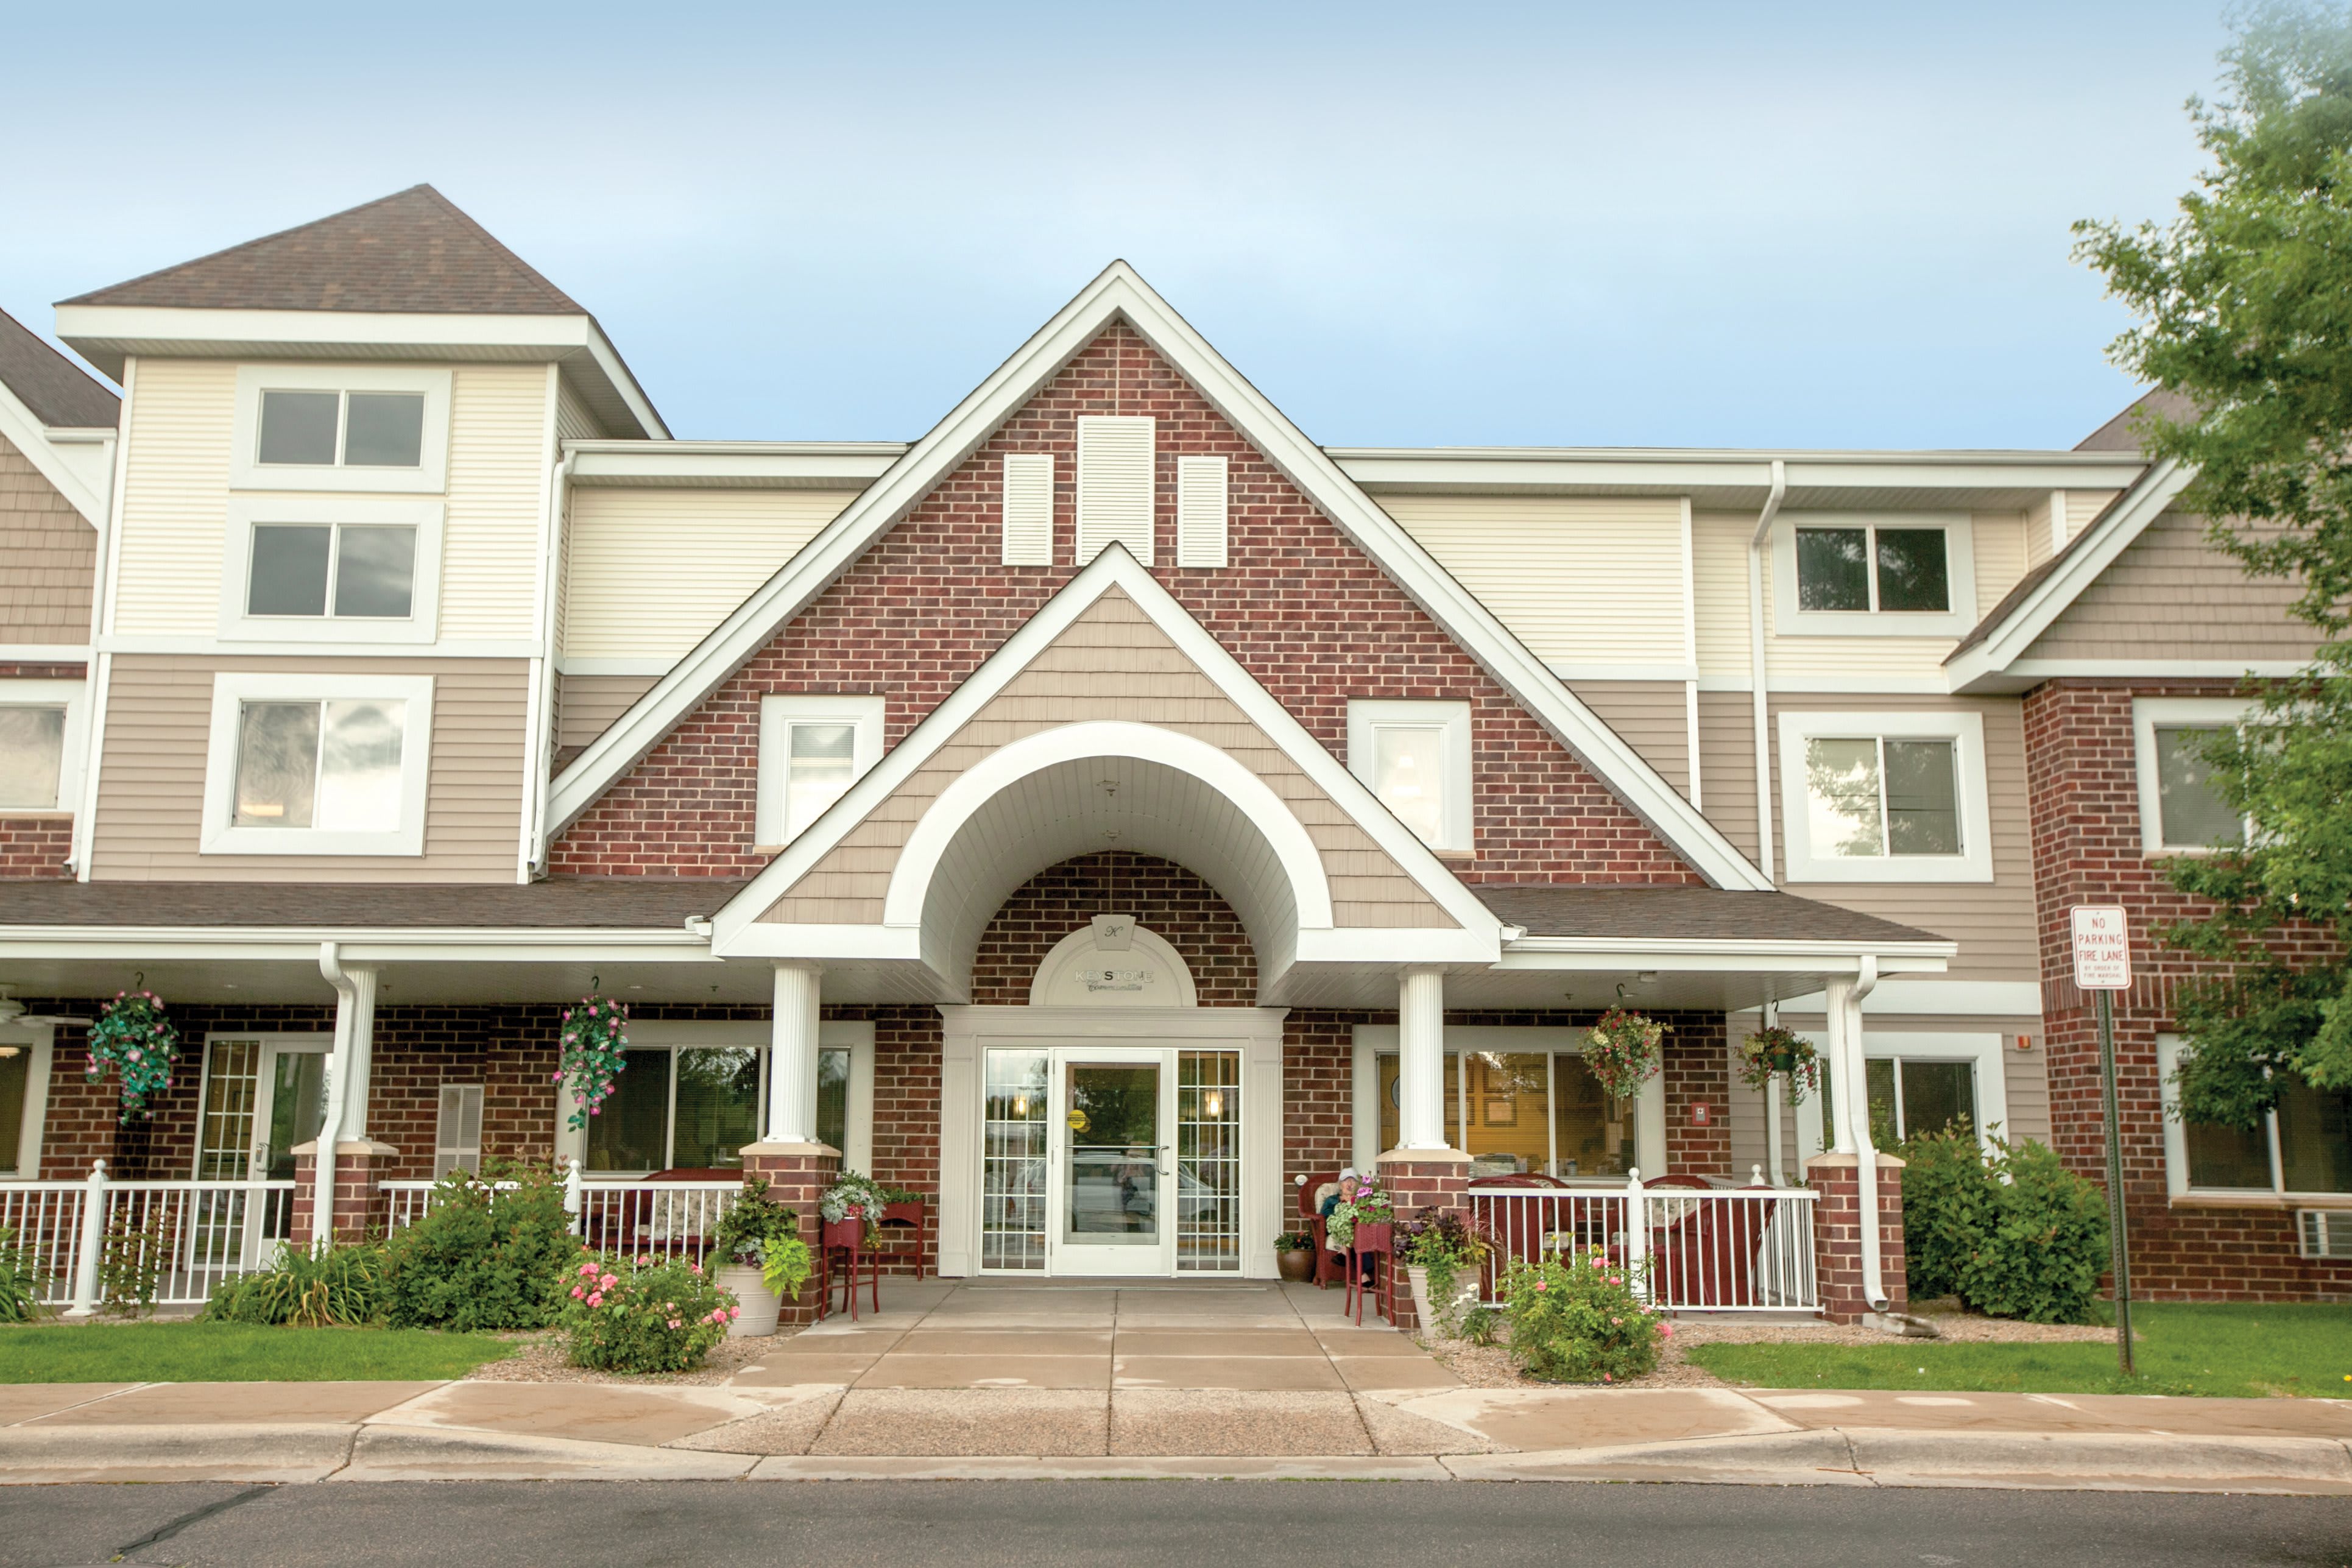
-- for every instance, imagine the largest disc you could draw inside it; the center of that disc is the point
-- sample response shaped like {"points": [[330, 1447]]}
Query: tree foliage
{"points": [[2244, 307]]}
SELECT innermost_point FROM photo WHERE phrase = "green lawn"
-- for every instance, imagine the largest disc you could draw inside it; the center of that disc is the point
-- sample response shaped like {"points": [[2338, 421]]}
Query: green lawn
{"points": [[235, 1352], [2239, 1350]]}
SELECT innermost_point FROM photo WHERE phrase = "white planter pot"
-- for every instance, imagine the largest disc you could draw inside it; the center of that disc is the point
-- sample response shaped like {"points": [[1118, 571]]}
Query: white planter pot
{"points": [[751, 1293], [1436, 1325]]}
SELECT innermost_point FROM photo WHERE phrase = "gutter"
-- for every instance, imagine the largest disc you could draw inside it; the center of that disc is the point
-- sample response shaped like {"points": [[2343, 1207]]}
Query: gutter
{"points": [[1757, 545], [339, 1075]]}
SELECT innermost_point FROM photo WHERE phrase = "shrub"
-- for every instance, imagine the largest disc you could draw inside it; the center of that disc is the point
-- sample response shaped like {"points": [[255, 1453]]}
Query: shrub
{"points": [[2045, 1242], [1574, 1319], [20, 1281], [482, 1257], [337, 1287], [1444, 1242], [1947, 1197], [643, 1316], [130, 1261], [756, 1233]]}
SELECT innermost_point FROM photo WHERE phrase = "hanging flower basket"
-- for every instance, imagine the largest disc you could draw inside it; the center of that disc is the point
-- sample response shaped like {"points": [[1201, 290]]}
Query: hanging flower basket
{"points": [[1625, 1051], [595, 1034], [133, 1039], [1783, 1051]]}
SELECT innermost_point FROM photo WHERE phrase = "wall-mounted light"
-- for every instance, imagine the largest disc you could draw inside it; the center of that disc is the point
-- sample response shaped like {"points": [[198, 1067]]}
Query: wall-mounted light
{"points": [[1212, 1105]]}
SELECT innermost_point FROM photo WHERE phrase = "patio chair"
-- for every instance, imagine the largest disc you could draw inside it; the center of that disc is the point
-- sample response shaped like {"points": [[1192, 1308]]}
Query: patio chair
{"points": [[1330, 1267], [1517, 1229], [847, 1237], [1707, 1256], [906, 1227]]}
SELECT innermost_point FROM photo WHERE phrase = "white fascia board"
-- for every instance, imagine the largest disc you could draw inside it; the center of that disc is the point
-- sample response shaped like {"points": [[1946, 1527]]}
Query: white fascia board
{"points": [[1693, 956], [1395, 944], [624, 382], [2033, 670], [1959, 998], [302, 943], [731, 465], [44, 653], [1113, 568], [1989, 659], [768, 939], [32, 438], [1672, 471]]}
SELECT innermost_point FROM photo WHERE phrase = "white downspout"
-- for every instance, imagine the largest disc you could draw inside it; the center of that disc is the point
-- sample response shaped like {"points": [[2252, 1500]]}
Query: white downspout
{"points": [[330, 1125], [538, 744], [1757, 545], [1865, 1155]]}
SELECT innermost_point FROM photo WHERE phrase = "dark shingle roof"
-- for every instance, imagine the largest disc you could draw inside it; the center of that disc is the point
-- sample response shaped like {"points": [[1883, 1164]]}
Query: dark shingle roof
{"points": [[1683, 914], [413, 250], [644, 903], [2117, 434], [57, 390]]}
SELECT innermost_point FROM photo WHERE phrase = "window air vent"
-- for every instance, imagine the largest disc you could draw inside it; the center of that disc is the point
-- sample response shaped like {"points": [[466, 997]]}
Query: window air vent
{"points": [[2324, 1232]]}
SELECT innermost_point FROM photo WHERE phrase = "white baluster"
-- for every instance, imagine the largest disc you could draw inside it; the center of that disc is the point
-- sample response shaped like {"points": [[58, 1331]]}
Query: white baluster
{"points": [[93, 1241], [1637, 1234]]}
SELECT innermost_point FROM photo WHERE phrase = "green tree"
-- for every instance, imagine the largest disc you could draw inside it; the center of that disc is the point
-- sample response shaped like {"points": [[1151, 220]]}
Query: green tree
{"points": [[2244, 307]]}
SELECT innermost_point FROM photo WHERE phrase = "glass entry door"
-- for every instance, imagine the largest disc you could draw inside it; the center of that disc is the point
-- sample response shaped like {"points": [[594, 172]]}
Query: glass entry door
{"points": [[262, 1097], [1110, 1196]]}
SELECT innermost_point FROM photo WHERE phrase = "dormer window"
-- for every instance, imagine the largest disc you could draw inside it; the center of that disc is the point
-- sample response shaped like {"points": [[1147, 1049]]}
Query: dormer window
{"points": [[377, 427], [1891, 571]]}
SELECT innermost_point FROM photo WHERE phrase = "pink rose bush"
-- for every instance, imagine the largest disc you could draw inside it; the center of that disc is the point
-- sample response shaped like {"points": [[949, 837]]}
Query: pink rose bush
{"points": [[1575, 1318], [643, 1315]]}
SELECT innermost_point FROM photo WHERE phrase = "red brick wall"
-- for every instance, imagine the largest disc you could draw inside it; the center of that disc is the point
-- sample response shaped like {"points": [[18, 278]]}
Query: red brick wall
{"points": [[35, 846], [2084, 789], [1164, 897], [1300, 607]]}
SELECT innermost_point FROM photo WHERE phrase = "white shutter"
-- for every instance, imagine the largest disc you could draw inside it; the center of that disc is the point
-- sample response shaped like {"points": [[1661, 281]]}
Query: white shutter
{"points": [[1200, 511], [457, 1132], [1115, 484], [1028, 508]]}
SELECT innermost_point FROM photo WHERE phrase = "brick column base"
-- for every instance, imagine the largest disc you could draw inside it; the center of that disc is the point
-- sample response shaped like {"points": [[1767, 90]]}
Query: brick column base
{"points": [[1421, 1178], [359, 1164], [798, 1174], [1837, 1235]]}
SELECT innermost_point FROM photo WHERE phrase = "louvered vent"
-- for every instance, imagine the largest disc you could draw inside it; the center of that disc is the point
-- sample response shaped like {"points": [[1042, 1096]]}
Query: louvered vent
{"points": [[1200, 511], [1028, 508], [458, 1131], [2325, 1233], [1115, 455]]}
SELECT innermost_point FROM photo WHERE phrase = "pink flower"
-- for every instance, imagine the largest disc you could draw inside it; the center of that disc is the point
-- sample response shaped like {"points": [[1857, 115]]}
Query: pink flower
{"points": [[734, 1311], [675, 1325], [587, 1271], [1542, 1285], [694, 1267], [608, 1281], [1665, 1331], [1606, 1378], [577, 1292], [596, 1297]]}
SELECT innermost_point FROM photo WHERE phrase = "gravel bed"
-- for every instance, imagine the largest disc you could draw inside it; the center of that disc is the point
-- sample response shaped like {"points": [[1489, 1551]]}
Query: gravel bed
{"points": [[540, 1359]]}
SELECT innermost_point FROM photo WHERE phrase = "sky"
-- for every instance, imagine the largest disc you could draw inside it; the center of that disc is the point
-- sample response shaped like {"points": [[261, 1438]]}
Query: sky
{"points": [[1679, 224]]}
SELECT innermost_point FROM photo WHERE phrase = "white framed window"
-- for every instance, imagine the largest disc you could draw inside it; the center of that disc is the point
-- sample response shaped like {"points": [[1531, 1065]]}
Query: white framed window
{"points": [[458, 1130], [317, 764], [341, 428], [40, 744], [1117, 454], [24, 1050], [1201, 510], [1519, 1101], [1028, 523], [812, 749], [332, 569], [1884, 797], [691, 1095], [2303, 1150], [1415, 756], [2180, 812], [1892, 574]]}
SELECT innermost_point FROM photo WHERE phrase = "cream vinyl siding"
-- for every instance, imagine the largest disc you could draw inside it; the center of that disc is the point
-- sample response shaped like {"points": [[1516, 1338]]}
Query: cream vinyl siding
{"points": [[1999, 545], [1582, 582], [1994, 922], [1650, 716], [573, 422], [589, 703], [498, 458], [49, 558], [1113, 663], [151, 778], [2082, 509], [178, 423], [2172, 595], [652, 572], [1719, 586]]}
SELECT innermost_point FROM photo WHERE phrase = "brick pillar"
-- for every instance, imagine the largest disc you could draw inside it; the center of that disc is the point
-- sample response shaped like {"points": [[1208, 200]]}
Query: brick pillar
{"points": [[359, 1164], [798, 1174], [1837, 1235], [1421, 1178]]}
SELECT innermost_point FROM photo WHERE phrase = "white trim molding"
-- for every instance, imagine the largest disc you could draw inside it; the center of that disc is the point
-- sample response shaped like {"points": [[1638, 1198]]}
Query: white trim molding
{"points": [[39, 1042], [431, 474], [1964, 730], [233, 689], [2184, 712], [1960, 575], [1367, 718], [420, 625]]}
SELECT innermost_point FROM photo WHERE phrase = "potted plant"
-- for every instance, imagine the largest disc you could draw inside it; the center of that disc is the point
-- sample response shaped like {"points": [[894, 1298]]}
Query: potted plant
{"points": [[1444, 1257], [1371, 1205], [1293, 1256], [1624, 1051], [1783, 1051], [856, 1197], [759, 1256]]}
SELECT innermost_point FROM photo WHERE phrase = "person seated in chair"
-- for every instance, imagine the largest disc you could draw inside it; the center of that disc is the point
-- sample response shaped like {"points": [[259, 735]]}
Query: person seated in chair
{"points": [[1349, 1187]]}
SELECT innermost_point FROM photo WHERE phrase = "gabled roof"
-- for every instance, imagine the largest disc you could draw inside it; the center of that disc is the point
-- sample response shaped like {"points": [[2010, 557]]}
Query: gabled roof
{"points": [[56, 391], [1688, 914], [1119, 294], [413, 250], [2121, 435]]}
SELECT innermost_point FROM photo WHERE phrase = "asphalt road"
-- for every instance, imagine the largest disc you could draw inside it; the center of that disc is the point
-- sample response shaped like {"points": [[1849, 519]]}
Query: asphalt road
{"points": [[1191, 1524]]}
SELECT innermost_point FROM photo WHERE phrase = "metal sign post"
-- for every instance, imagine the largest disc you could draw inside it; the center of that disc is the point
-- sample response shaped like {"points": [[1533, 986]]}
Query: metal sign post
{"points": [[2103, 966]]}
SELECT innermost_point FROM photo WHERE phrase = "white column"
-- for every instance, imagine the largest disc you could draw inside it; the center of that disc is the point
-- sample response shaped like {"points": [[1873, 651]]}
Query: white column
{"points": [[356, 1075], [793, 1063], [1421, 1059], [1845, 1067]]}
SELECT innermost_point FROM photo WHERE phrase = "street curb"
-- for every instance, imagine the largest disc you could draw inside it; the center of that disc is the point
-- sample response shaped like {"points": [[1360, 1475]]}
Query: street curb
{"points": [[208, 1451], [1820, 1458], [1110, 1467], [389, 1453], [2097, 1455]]}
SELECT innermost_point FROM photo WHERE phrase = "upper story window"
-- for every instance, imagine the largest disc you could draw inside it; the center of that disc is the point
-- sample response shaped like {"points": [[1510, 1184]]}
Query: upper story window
{"points": [[341, 427], [1415, 757], [332, 569], [2303, 1149], [1836, 575], [2180, 811], [1884, 797], [37, 745], [812, 749], [317, 764], [340, 569]]}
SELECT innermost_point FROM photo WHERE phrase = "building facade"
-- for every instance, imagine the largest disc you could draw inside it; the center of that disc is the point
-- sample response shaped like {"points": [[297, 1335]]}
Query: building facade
{"points": [[1104, 815]]}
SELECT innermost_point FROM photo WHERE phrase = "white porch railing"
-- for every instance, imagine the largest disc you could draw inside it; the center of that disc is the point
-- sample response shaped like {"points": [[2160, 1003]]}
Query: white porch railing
{"points": [[168, 1243], [641, 1218], [1716, 1249]]}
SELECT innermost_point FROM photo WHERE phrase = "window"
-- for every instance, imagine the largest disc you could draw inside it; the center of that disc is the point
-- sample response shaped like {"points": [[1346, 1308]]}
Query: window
{"points": [[812, 749], [1837, 574], [24, 1097], [1415, 758], [317, 764], [1884, 797], [2180, 809], [32, 756], [1922, 1081], [341, 427], [332, 569], [1908, 1098], [2303, 1149], [695, 1107], [1520, 1112], [458, 1130]]}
